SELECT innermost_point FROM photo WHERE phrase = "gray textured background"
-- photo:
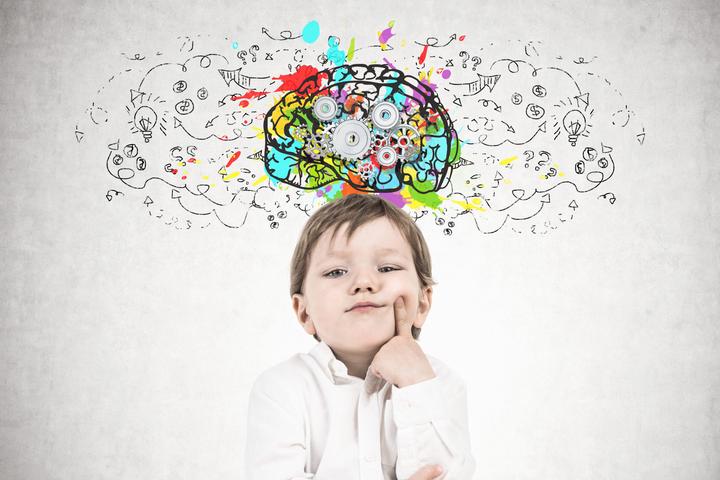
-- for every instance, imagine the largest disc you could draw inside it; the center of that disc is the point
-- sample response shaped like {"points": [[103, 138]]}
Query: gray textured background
{"points": [[127, 349]]}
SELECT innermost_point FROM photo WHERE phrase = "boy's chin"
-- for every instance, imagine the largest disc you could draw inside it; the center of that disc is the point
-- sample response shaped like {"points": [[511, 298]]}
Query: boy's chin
{"points": [[369, 344]]}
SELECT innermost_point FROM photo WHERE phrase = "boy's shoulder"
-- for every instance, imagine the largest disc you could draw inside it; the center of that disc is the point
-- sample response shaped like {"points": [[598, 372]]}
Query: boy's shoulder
{"points": [[284, 377]]}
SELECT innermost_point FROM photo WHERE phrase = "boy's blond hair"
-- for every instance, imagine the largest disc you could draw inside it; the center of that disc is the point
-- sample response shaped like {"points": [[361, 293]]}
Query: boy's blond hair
{"points": [[357, 210]]}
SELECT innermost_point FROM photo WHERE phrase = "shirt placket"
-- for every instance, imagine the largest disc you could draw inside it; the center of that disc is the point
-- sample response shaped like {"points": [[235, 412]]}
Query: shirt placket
{"points": [[369, 436]]}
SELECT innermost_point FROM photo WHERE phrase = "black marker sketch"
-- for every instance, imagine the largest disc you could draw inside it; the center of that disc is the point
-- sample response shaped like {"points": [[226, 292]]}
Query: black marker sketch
{"points": [[455, 131]]}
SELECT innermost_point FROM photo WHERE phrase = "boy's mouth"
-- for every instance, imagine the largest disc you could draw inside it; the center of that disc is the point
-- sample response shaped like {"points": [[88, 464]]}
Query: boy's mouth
{"points": [[363, 306]]}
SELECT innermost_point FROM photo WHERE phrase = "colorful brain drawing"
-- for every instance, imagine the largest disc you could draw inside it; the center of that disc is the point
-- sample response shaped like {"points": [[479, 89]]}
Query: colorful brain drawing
{"points": [[369, 125]]}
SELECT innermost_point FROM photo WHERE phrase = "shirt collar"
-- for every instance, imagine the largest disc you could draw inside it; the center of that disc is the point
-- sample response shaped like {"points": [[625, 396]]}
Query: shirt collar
{"points": [[337, 371]]}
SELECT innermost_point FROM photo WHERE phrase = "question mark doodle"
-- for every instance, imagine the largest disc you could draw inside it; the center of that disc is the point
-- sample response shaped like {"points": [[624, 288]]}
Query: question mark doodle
{"points": [[241, 55], [476, 61], [464, 56], [530, 155], [253, 49], [544, 161]]}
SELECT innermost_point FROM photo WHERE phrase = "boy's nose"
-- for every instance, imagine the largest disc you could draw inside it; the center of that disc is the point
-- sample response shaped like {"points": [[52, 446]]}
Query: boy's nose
{"points": [[364, 281], [361, 287]]}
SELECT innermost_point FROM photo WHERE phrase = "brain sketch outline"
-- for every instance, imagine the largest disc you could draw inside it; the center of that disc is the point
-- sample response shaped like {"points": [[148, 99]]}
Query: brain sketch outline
{"points": [[308, 150]]}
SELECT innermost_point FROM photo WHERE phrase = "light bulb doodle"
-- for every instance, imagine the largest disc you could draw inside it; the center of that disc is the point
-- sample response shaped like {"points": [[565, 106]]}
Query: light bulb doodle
{"points": [[145, 120], [574, 124]]}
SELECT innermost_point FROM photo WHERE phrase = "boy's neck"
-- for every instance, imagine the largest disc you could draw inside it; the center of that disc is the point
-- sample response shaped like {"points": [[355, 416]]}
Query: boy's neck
{"points": [[357, 363]]}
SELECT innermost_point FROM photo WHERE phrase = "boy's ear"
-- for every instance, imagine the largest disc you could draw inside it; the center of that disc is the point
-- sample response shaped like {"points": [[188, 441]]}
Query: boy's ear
{"points": [[300, 308], [424, 304]]}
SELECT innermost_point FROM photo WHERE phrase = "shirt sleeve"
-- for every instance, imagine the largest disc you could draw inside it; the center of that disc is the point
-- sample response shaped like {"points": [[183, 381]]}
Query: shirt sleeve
{"points": [[432, 426], [276, 446]]}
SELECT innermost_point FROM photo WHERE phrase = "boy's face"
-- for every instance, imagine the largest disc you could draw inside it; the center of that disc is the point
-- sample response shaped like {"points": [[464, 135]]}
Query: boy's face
{"points": [[375, 266]]}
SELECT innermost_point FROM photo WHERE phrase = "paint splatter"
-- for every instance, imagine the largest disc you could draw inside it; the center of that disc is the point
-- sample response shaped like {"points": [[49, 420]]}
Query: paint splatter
{"points": [[311, 32], [234, 157], [423, 55], [245, 97], [351, 50], [386, 35], [334, 54], [292, 81]]}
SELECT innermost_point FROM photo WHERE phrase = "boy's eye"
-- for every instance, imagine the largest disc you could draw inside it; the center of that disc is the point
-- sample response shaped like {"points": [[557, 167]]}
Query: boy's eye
{"points": [[334, 273], [388, 268], [339, 271]]}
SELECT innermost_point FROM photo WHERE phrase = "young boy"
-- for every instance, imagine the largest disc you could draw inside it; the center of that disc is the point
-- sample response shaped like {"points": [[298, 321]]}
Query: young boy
{"points": [[365, 402]]}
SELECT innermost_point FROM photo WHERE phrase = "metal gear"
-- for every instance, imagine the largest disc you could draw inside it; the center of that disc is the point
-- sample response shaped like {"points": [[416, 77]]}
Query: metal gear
{"points": [[385, 115], [317, 145], [325, 109], [406, 141], [351, 139]]}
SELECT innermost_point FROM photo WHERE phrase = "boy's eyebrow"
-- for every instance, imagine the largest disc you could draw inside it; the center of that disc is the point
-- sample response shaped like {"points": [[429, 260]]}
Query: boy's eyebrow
{"points": [[344, 253]]}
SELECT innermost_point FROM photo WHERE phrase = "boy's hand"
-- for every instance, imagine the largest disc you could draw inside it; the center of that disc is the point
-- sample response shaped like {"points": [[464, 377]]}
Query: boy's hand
{"points": [[401, 361], [428, 472]]}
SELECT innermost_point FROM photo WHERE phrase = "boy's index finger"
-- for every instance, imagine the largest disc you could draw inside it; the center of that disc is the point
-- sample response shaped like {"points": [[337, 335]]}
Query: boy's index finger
{"points": [[403, 325]]}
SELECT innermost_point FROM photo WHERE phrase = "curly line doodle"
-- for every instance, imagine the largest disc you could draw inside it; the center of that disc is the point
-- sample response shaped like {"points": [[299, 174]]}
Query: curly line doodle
{"points": [[456, 131]]}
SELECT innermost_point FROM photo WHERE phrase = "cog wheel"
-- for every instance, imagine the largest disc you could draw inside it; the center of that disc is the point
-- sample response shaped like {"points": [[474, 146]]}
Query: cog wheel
{"points": [[351, 139], [387, 156], [317, 145], [325, 109], [406, 141], [385, 115], [365, 169]]}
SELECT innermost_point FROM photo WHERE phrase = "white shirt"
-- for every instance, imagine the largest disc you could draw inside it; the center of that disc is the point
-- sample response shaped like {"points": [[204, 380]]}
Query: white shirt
{"points": [[309, 419]]}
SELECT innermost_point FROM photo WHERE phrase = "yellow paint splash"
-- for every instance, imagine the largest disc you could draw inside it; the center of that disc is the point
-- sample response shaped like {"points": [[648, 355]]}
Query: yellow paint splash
{"points": [[474, 204], [507, 161], [260, 180]]}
